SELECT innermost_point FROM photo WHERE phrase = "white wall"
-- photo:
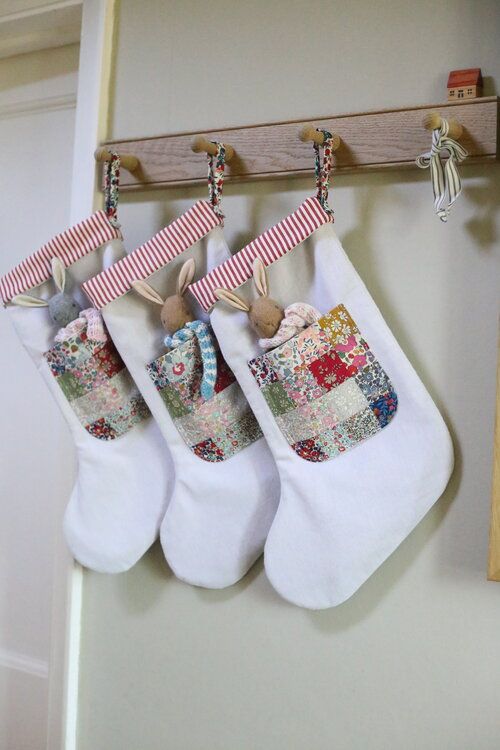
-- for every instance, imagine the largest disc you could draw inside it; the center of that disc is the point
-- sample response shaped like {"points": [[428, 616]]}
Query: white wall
{"points": [[37, 93], [413, 659]]}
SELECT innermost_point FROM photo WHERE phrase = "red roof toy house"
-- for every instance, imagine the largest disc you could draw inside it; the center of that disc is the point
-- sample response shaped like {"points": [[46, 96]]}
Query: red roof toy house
{"points": [[465, 84]]}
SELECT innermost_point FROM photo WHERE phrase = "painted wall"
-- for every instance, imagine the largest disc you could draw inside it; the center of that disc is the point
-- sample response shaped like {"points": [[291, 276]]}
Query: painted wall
{"points": [[413, 659], [37, 99]]}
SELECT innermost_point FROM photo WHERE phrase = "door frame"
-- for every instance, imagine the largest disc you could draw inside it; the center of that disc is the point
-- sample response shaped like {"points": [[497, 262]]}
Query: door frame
{"points": [[91, 128]]}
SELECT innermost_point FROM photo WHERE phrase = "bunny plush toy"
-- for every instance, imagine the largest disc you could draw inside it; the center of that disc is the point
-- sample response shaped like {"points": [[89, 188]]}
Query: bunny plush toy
{"points": [[178, 320], [270, 322], [63, 309]]}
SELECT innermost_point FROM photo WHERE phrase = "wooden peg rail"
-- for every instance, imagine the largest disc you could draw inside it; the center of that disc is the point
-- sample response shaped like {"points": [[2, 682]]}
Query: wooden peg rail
{"points": [[389, 139]]}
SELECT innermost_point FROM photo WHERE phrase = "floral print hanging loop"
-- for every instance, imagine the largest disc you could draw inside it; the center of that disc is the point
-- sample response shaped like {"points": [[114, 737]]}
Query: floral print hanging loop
{"points": [[111, 188], [322, 171], [216, 166]]}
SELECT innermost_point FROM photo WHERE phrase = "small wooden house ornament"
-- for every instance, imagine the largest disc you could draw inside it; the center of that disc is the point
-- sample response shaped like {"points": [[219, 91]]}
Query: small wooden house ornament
{"points": [[465, 84]]}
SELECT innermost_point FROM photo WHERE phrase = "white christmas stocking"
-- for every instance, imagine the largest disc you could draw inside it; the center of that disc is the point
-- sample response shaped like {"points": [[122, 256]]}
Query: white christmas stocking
{"points": [[120, 492], [361, 449], [226, 484]]}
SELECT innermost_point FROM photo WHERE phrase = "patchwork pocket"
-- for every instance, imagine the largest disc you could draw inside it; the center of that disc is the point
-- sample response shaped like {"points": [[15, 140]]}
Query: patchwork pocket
{"points": [[95, 381], [325, 387], [215, 428]]}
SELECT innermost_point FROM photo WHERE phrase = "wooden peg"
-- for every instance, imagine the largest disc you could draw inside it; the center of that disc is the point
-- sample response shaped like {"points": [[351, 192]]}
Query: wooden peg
{"points": [[309, 133], [200, 144], [127, 161], [433, 120]]}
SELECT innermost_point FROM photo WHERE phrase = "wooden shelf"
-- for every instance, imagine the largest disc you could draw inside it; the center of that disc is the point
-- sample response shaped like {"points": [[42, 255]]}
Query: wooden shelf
{"points": [[388, 139]]}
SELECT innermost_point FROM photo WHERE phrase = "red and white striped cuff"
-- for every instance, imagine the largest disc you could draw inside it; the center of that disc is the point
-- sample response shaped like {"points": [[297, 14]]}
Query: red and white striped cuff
{"points": [[177, 237], [71, 245], [269, 247]]}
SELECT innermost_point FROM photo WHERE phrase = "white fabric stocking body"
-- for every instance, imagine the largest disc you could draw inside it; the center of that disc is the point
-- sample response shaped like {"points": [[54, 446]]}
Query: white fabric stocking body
{"points": [[220, 512], [338, 520], [120, 493]]}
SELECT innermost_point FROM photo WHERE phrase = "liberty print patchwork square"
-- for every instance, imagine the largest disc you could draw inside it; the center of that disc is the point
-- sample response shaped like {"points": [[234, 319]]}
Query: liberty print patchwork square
{"points": [[93, 377], [217, 428], [325, 387]]}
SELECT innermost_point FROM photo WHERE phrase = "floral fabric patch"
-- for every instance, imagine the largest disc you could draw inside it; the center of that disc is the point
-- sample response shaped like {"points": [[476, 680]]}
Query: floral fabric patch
{"points": [[93, 377], [325, 387], [215, 428]]}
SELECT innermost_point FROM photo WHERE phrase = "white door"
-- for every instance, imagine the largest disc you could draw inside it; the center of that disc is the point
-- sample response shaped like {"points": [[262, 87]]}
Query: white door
{"points": [[37, 116]]}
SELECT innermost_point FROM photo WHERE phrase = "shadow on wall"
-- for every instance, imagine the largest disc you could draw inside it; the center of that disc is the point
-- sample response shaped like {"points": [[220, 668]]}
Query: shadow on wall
{"points": [[482, 227], [473, 324], [456, 553], [479, 204], [141, 586]]}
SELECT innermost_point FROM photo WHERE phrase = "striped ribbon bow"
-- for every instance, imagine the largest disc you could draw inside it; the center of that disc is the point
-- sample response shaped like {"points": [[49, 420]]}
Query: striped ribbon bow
{"points": [[444, 178], [201, 331]]}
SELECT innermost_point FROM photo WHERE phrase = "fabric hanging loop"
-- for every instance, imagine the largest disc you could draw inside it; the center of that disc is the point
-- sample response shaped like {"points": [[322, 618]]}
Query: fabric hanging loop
{"points": [[322, 171], [216, 166], [445, 178], [112, 188]]}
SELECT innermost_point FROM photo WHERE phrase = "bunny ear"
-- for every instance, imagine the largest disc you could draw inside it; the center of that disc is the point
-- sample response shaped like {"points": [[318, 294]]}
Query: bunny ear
{"points": [[26, 300], [260, 277], [58, 273], [186, 275], [147, 291], [231, 299]]}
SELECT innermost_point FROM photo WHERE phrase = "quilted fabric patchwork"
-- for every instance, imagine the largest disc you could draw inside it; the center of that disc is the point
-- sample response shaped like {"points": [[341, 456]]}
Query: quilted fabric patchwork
{"points": [[92, 376], [312, 343], [325, 387], [173, 401], [224, 375], [277, 398], [239, 434], [322, 413], [179, 365], [215, 428], [301, 386], [262, 371], [106, 398], [372, 379], [330, 370]]}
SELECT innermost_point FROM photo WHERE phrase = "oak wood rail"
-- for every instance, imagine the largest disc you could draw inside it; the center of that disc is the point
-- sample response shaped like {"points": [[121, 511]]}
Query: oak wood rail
{"points": [[386, 139]]}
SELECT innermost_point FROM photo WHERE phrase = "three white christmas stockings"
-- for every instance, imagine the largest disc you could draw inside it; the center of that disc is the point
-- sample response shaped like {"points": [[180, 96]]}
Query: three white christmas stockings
{"points": [[281, 340]]}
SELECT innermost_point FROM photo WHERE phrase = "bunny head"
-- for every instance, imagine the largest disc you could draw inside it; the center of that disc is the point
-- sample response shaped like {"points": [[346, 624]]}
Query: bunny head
{"points": [[175, 312], [264, 313], [62, 307]]}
